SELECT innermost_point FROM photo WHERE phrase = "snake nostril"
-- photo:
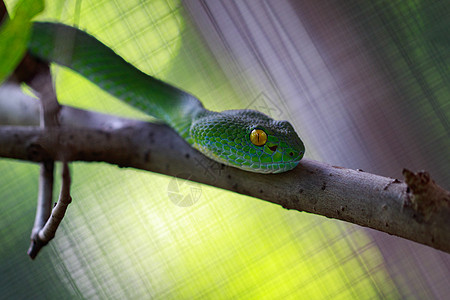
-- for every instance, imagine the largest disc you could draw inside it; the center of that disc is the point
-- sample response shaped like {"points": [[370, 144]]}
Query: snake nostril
{"points": [[273, 148], [291, 153]]}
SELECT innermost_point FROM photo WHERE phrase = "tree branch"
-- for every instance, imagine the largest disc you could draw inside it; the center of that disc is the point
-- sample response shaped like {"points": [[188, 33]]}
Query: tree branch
{"points": [[354, 196]]}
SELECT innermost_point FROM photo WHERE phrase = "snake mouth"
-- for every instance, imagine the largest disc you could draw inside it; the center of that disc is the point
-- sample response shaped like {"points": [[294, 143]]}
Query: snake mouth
{"points": [[270, 168]]}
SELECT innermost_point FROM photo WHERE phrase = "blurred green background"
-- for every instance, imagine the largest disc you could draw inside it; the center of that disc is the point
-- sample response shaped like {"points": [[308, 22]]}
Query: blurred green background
{"points": [[365, 85]]}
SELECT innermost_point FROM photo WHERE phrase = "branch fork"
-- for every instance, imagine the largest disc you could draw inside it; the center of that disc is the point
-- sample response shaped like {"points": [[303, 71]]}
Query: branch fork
{"points": [[47, 220]]}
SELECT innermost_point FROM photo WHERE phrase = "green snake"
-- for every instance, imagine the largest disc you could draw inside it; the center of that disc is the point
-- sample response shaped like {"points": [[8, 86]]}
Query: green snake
{"points": [[245, 139]]}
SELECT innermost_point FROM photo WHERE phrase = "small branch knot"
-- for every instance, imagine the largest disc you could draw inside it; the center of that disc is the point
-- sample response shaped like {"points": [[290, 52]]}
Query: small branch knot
{"points": [[426, 196]]}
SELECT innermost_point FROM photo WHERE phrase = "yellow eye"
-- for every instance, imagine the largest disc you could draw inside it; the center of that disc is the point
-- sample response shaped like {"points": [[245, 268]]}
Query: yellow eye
{"points": [[258, 137]]}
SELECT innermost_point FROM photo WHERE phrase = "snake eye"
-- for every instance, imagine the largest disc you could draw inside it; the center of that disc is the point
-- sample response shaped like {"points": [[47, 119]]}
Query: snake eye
{"points": [[258, 137]]}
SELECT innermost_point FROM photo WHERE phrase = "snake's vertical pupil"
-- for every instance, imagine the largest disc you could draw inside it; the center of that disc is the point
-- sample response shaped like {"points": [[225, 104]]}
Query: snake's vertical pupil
{"points": [[258, 137]]}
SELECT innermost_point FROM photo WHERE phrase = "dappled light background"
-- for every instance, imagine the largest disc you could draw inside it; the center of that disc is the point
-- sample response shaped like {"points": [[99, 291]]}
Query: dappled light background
{"points": [[365, 85]]}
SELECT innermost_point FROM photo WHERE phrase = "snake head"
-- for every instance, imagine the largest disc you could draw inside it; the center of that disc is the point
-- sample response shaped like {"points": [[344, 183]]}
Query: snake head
{"points": [[248, 140]]}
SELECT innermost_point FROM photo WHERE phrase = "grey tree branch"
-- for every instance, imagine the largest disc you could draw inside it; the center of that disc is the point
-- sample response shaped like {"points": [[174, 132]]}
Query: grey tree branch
{"points": [[361, 198], [44, 206], [48, 231]]}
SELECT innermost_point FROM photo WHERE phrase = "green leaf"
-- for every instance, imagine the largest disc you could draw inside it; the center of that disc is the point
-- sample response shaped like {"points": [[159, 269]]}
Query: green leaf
{"points": [[14, 35]]}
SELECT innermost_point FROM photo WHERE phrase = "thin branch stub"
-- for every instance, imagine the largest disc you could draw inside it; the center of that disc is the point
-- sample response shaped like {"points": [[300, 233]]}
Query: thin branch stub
{"points": [[426, 197]]}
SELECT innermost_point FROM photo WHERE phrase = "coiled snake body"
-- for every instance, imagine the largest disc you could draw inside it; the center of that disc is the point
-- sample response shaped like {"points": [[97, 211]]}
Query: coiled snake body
{"points": [[245, 139]]}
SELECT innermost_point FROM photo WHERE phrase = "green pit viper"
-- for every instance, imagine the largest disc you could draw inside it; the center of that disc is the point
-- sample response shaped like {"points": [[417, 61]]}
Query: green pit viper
{"points": [[245, 139]]}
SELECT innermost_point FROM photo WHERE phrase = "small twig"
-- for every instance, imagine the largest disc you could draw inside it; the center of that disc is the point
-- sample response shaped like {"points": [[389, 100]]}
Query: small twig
{"points": [[44, 206], [48, 232]]}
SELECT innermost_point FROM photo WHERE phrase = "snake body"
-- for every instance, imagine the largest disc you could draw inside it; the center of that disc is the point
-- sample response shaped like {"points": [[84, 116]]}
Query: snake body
{"points": [[245, 139]]}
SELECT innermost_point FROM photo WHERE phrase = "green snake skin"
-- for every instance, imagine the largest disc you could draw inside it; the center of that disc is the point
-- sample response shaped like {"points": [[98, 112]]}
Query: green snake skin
{"points": [[223, 136]]}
